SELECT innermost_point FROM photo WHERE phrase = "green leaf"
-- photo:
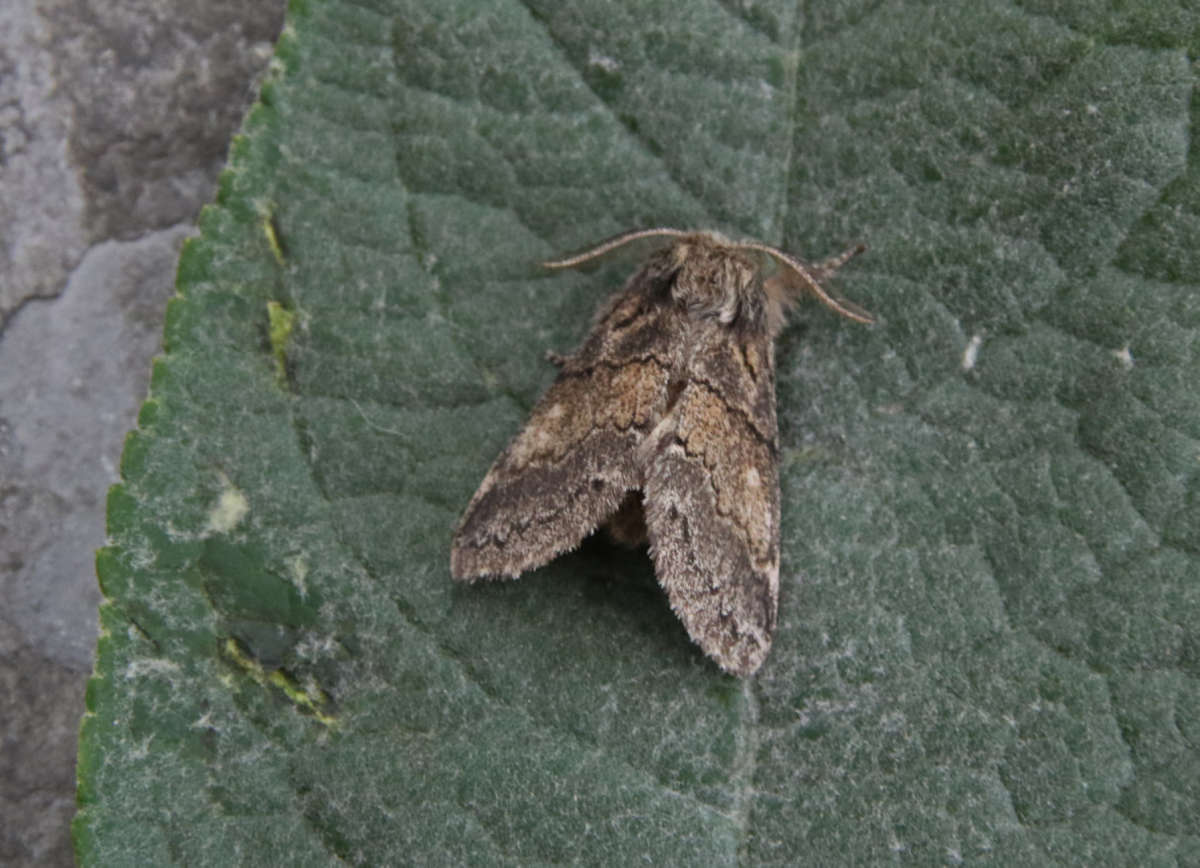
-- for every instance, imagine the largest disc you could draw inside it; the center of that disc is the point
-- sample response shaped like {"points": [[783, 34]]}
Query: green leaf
{"points": [[988, 644]]}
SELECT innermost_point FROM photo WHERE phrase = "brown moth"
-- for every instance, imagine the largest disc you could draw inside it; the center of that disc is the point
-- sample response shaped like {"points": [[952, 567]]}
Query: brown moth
{"points": [[662, 427]]}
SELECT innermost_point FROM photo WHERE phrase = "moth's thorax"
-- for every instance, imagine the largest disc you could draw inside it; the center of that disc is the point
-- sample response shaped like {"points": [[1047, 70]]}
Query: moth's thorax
{"points": [[714, 279]]}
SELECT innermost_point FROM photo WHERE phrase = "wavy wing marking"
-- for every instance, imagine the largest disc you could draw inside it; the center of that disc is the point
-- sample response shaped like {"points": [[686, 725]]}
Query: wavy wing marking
{"points": [[570, 467], [712, 505]]}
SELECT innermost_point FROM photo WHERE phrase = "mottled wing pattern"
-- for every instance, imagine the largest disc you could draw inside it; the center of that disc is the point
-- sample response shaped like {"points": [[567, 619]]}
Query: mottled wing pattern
{"points": [[712, 497], [570, 467]]}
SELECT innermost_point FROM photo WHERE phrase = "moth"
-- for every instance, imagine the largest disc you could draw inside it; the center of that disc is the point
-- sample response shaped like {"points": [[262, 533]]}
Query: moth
{"points": [[662, 427]]}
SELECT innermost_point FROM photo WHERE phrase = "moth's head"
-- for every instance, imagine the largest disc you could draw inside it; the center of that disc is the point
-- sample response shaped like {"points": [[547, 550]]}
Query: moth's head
{"points": [[714, 277], [718, 279]]}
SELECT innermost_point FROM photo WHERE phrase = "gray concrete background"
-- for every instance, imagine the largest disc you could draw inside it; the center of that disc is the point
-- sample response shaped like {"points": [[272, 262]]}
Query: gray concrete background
{"points": [[115, 116]]}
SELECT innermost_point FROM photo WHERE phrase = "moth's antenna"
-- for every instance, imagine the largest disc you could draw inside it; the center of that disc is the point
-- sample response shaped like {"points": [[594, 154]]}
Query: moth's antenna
{"points": [[810, 277], [613, 243], [833, 263]]}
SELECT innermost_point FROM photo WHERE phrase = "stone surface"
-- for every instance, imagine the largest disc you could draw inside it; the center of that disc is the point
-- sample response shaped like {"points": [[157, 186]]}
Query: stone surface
{"points": [[43, 700], [42, 232], [156, 89], [63, 421], [115, 116]]}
